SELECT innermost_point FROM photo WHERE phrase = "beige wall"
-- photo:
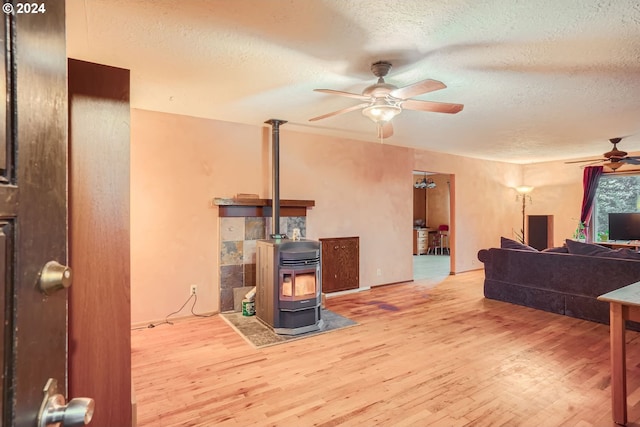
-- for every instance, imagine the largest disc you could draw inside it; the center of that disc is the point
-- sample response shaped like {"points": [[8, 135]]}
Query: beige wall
{"points": [[179, 164], [558, 192]]}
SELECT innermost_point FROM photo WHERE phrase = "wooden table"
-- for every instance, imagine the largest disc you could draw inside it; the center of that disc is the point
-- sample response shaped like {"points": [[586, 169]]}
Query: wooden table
{"points": [[617, 244], [624, 304]]}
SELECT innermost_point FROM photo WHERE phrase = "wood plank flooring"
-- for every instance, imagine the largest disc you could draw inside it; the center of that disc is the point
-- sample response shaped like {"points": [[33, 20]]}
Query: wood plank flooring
{"points": [[423, 354]]}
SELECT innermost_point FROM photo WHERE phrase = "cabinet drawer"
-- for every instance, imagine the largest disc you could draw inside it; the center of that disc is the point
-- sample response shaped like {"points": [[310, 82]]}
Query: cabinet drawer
{"points": [[421, 233]]}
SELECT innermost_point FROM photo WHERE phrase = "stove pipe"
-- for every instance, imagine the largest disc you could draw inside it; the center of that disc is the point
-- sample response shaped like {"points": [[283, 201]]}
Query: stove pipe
{"points": [[275, 170]]}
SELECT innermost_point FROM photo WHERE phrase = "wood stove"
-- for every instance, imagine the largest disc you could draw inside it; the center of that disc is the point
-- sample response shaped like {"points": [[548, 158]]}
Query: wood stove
{"points": [[288, 278], [288, 285]]}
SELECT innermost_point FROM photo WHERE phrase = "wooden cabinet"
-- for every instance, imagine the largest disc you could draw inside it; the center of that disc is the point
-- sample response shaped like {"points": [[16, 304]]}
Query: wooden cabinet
{"points": [[420, 241], [340, 263]]}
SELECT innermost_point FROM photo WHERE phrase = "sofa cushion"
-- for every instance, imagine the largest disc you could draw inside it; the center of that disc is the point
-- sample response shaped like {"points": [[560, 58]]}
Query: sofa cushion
{"points": [[588, 249], [558, 250], [622, 253], [591, 249], [512, 244]]}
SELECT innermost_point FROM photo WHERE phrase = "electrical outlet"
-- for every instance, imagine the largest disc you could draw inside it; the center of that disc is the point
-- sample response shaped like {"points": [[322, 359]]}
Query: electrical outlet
{"points": [[379, 272], [194, 290]]}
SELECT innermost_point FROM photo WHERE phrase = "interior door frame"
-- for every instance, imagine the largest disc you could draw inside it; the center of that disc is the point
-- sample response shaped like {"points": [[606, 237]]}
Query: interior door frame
{"points": [[452, 215], [99, 240]]}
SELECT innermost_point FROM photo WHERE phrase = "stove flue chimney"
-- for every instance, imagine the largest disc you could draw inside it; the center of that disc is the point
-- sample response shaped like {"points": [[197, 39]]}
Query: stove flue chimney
{"points": [[275, 183]]}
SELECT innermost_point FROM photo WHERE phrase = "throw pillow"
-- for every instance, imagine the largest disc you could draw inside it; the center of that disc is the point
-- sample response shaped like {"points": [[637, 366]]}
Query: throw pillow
{"points": [[512, 244], [589, 249]]}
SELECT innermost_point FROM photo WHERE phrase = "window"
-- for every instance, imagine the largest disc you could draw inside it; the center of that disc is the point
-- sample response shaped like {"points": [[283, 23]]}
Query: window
{"points": [[616, 193]]}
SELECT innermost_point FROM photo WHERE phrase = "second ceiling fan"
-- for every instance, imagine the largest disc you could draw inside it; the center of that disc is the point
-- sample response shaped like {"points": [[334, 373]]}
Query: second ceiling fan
{"points": [[613, 159], [383, 101]]}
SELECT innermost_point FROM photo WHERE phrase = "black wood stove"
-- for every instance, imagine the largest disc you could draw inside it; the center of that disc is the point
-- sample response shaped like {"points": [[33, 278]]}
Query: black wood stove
{"points": [[288, 290]]}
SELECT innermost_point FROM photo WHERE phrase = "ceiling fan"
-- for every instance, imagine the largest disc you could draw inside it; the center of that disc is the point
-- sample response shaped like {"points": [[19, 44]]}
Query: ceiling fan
{"points": [[615, 158], [383, 101]]}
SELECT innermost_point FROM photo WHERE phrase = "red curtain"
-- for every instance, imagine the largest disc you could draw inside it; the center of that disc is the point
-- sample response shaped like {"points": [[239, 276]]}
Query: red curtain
{"points": [[590, 180]]}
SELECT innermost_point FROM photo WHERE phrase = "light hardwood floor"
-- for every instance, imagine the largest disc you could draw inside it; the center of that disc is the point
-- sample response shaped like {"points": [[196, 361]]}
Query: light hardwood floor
{"points": [[445, 356]]}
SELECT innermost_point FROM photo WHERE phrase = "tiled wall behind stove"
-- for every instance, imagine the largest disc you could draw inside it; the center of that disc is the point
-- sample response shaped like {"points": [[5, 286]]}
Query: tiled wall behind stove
{"points": [[238, 251]]}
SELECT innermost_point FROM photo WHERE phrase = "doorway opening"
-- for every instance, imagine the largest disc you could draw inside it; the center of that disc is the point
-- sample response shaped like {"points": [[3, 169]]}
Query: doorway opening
{"points": [[433, 227]]}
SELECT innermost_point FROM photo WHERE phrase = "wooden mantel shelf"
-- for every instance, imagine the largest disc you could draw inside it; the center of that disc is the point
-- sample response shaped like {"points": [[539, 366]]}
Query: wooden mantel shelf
{"points": [[235, 207], [220, 201]]}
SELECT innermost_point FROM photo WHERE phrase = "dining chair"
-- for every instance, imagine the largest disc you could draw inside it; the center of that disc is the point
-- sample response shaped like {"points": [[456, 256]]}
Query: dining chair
{"points": [[440, 241]]}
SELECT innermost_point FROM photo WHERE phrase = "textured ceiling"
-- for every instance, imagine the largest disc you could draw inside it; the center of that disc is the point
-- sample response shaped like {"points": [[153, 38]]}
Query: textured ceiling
{"points": [[540, 80]]}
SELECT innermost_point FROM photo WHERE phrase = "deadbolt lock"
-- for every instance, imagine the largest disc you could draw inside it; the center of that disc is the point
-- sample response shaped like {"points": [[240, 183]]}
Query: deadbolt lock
{"points": [[53, 277]]}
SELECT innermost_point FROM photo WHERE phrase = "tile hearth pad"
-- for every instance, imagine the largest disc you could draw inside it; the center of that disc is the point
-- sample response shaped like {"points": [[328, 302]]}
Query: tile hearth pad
{"points": [[260, 335]]}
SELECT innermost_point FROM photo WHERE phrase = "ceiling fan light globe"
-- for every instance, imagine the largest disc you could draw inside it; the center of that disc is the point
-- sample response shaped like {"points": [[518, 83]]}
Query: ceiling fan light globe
{"points": [[381, 113], [614, 165]]}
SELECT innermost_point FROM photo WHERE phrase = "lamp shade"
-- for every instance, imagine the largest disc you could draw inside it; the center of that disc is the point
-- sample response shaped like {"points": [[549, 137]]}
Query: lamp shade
{"points": [[524, 189]]}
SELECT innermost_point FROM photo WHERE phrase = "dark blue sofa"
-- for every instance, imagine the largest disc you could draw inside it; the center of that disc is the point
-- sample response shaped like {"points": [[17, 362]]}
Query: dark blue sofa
{"points": [[561, 283]]}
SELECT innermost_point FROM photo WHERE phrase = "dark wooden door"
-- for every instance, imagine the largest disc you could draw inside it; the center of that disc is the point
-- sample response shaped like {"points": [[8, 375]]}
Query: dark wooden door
{"points": [[349, 262], [330, 265], [33, 203], [340, 264]]}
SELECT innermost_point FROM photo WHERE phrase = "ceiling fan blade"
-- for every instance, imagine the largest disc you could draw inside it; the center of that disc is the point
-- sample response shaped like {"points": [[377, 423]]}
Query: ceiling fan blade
{"points": [[631, 160], [584, 161], [418, 88], [436, 107], [595, 162], [334, 113], [341, 93]]}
